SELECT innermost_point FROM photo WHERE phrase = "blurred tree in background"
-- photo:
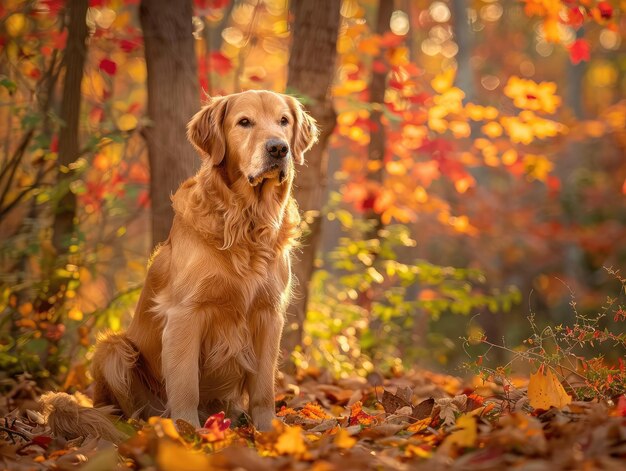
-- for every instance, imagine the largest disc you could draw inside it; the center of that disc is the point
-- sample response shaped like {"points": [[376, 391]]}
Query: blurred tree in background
{"points": [[471, 165]]}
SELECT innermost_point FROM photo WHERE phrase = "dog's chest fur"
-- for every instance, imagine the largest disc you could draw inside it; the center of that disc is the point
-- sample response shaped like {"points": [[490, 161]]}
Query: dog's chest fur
{"points": [[232, 306]]}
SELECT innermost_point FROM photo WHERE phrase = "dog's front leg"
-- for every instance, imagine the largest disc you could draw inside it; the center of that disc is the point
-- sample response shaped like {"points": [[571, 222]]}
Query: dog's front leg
{"points": [[261, 383], [180, 357]]}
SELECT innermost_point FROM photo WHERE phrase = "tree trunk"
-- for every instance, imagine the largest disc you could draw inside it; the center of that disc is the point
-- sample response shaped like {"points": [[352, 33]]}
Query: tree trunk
{"points": [[378, 84], [312, 60], [173, 98], [75, 54], [63, 226], [464, 38]]}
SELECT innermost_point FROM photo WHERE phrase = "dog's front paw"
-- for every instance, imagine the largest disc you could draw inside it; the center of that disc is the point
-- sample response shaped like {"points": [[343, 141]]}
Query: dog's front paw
{"points": [[262, 418]]}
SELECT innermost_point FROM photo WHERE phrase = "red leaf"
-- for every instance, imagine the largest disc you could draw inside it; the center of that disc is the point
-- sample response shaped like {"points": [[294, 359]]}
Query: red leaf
{"points": [[210, 4], [54, 144], [579, 51], [59, 40], [42, 441], [217, 421], [53, 6], [606, 10], [220, 63], [128, 46], [575, 17], [554, 184], [108, 66], [379, 67], [214, 428], [358, 416], [390, 39], [143, 199]]}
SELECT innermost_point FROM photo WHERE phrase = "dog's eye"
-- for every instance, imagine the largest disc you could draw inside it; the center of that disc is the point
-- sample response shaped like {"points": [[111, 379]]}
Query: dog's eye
{"points": [[284, 121], [244, 122]]}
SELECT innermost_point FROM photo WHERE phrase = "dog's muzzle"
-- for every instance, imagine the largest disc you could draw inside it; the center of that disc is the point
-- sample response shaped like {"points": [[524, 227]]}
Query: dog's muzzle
{"points": [[276, 162]]}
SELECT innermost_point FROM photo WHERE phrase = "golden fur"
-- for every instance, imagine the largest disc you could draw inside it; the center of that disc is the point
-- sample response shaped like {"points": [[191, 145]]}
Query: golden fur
{"points": [[207, 327], [69, 419]]}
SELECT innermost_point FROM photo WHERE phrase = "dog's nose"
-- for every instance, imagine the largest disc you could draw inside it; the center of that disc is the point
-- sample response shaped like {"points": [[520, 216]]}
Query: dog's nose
{"points": [[277, 148]]}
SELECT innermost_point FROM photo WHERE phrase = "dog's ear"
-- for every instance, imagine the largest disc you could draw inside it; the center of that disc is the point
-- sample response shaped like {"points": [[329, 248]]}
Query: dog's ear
{"points": [[305, 131], [205, 130]]}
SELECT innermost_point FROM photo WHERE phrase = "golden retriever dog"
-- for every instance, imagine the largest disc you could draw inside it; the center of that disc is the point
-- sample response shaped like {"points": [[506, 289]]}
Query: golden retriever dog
{"points": [[205, 335]]}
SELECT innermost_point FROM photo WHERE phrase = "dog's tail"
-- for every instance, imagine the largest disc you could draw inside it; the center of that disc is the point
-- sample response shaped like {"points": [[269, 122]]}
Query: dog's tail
{"points": [[114, 363], [68, 418]]}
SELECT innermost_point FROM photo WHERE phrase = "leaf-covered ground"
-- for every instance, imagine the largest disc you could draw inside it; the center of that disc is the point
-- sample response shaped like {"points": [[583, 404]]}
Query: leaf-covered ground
{"points": [[420, 420]]}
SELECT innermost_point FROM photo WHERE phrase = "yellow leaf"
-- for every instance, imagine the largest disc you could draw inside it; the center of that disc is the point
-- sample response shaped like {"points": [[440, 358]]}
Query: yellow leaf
{"points": [[370, 46], [15, 24], [395, 167], [466, 436], [464, 183], [537, 166], [291, 442], [173, 457], [444, 81], [492, 129], [75, 314], [399, 56], [164, 428], [93, 85], [545, 391], [531, 95], [412, 450], [421, 425], [344, 440], [509, 157], [136, 68], [347, 118], [420, 194], [460, 129], [518, 131], [350, 86], [551, 29], [126, 122]]}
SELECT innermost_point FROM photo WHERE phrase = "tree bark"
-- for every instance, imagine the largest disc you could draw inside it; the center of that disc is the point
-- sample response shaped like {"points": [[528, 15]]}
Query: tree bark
{"points": [[173, 98], [75, 54], [312, 60], [63, 226], [378, 84], [464, 38]]}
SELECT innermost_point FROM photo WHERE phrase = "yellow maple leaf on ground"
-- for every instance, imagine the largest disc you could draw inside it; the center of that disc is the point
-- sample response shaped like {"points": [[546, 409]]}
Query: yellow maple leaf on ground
{"points": [[291, 442], [174, 457], [466, 434], [545, 391], [344, 440]]}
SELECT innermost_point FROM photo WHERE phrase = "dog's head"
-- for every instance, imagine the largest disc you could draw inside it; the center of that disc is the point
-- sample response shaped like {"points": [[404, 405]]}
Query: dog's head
{"points": [[256, 135]]}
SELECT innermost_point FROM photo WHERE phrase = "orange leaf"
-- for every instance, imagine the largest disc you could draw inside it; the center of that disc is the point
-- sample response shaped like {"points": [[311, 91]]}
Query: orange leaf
{"points": [[358, 416], [314, 411]]}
